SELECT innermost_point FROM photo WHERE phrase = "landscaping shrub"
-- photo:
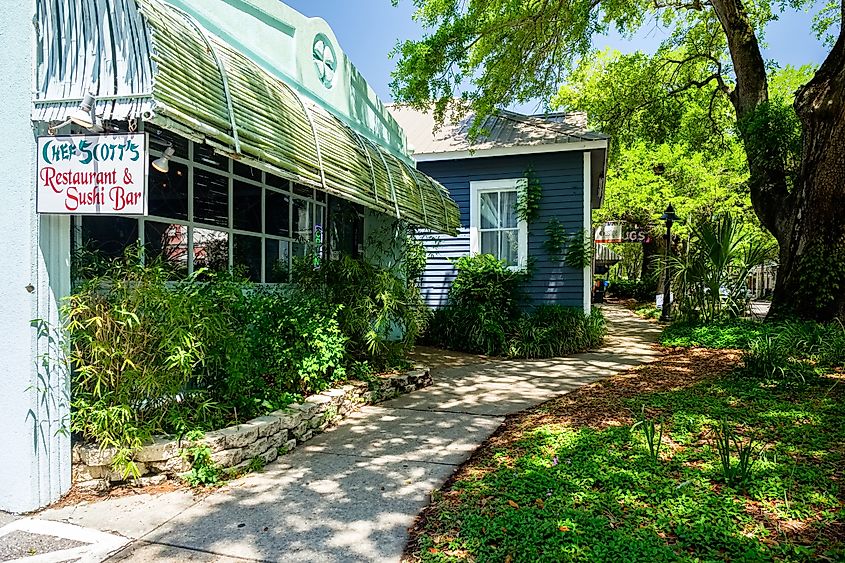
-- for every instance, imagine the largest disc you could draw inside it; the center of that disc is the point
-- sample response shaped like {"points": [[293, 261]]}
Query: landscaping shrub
{"points": [[553, 330], [484, 315], [138, 347], [484, 301], [710, 277], [641, 290], [153, 355], [796, 351], [381, 310]]}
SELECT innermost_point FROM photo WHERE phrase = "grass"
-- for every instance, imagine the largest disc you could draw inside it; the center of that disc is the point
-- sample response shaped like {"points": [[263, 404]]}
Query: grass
{"points": [[571, 481]]}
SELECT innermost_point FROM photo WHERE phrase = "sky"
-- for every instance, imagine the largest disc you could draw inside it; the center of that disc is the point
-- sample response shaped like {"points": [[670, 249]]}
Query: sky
{"points": [[369, 29]]}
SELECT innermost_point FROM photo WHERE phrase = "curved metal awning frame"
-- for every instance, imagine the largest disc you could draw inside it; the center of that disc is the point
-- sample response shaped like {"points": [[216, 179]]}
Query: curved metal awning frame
{"points": [[150, 60]]}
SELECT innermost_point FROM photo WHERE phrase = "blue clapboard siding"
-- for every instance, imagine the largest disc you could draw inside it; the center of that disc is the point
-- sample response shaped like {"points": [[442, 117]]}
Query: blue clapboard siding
{"points": [[561, 176]]}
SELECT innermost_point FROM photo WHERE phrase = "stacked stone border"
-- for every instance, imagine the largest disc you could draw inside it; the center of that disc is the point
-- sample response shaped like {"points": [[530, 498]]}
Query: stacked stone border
{"points": [[234, 447]]}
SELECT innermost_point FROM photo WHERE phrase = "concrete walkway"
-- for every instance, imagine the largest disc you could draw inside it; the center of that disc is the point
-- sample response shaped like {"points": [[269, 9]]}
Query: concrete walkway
{"points": [[350, 494]]}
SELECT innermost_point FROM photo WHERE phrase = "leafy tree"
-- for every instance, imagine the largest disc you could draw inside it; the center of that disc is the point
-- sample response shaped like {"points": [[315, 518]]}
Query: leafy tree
{"points": [[490, 53]]}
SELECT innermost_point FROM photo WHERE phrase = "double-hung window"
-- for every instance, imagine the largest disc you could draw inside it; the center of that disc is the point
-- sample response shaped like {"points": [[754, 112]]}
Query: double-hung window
{"points": [[495, 227]]}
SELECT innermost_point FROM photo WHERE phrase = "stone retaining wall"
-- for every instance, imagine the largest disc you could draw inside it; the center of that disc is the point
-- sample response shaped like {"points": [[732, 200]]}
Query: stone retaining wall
{"points": [[265, 437]]}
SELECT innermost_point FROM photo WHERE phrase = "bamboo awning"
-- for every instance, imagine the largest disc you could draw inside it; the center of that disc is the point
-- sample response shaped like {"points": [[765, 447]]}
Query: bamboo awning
{"points": [[150, 60]]}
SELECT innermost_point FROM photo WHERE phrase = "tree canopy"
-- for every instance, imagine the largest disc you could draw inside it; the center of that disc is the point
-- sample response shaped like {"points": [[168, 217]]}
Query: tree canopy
{"points": [[707, 91]]}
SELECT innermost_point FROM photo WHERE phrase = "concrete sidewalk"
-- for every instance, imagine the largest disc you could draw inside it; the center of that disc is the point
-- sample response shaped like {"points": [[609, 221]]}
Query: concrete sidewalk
{"points": [[350, 494]]}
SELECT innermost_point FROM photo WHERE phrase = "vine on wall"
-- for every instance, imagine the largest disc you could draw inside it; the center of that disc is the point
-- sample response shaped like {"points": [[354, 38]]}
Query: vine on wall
{"points": [[528, 198], [579, 250], [556, 240]]}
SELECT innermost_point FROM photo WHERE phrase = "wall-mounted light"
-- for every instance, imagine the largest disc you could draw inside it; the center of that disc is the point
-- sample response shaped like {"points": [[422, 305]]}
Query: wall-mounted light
{"points": [[84, 114], [163, 164]]}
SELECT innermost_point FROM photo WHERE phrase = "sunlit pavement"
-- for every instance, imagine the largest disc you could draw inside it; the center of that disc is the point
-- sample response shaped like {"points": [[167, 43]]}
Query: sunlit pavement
{"points": [[350, 494]]}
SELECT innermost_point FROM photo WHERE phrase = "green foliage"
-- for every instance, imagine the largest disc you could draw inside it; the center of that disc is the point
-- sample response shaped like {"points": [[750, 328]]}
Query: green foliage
{"points": [[153, 355], [550, 331], [257, 463], [381, 311], [710, 278], [203, 469], [484, 315], [579, 250], [772, 133], [724, 334], [789, 352], [139, 346], [556, 240], [653, 438], [528, 198], [795, 351], [483, 301], [641, 290], [725, 441], [822, 274], [583, 494], [287, 341]]}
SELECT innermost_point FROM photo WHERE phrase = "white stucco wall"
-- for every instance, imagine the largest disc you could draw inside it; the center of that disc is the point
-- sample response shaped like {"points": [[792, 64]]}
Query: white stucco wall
{"points": [[34, 275]]}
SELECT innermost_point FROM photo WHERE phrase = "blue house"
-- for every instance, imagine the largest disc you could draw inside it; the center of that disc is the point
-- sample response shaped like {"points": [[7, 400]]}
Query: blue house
{"points": [[485, 175]]}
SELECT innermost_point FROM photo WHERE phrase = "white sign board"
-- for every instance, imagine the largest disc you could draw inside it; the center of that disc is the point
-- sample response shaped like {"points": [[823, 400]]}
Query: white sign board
{"points": [[658, 300], [92, 174]]}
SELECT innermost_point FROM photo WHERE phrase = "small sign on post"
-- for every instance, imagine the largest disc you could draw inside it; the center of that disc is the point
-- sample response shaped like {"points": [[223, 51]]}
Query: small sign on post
{"points": [[92, 174]]}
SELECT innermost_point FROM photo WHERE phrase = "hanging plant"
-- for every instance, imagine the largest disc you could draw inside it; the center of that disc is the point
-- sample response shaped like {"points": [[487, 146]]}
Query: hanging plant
{"points": [[579, 250], [528, 198], [556, 240]]}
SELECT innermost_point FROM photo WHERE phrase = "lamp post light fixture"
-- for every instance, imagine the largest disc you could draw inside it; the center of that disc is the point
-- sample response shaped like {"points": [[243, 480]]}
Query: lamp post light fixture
{"points": [[670, 217]]}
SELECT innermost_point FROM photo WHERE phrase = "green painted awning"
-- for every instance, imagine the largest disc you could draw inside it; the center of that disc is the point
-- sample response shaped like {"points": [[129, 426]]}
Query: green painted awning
{"points": [[166, 68]]}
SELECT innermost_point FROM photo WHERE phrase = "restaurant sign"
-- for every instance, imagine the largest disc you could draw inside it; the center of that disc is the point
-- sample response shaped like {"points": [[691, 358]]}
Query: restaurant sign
{"points": [[92, 174]]}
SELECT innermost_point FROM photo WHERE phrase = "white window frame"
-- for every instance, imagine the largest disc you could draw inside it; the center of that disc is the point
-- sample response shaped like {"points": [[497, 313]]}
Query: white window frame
{"points": [[479, 187]]}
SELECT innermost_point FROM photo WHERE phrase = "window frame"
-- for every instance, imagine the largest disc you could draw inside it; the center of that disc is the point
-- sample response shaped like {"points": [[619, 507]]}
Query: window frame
{"points": [[479, 187], [315, 204]]}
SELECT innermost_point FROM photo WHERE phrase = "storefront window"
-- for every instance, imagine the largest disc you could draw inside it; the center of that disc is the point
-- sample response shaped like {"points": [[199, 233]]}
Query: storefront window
{"points": [[211, 212], [246, 208], [169, 242], [276, 261], [211, 250], [277, 214], [168, 192], [246, 257], [211, 198], [108, 236]]}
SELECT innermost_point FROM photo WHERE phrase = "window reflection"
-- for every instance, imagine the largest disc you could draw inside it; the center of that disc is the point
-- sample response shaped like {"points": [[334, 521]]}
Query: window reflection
{"points": [[168, 192], [246, 207], [277, 214], [276, 261], [108, 236], [211, 198], [211, 250], [168, 243], [246, 257]]}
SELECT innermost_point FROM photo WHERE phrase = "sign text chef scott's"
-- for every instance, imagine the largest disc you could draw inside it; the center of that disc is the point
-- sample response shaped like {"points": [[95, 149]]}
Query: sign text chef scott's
{"points": [[93, 174]]}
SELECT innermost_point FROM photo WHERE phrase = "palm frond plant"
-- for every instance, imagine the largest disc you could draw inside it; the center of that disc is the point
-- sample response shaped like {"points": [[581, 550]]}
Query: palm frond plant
{"points": [[710, 276]]}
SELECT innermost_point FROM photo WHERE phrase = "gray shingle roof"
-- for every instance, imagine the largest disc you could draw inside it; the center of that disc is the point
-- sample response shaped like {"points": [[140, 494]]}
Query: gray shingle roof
{"points": [[505, 129]]}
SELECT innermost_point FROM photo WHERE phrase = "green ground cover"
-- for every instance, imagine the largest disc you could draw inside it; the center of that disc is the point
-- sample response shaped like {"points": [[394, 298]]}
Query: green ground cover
{"points": [[574, 480], [728, 334]]}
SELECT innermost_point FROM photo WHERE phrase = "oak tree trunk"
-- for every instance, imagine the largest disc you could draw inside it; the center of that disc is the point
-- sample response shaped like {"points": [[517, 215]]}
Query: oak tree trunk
{"points": [[811, 273], [806, 216]]}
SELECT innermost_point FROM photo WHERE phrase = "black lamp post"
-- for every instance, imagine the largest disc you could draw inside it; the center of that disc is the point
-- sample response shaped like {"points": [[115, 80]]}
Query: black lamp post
{"points": [[670, 217]]}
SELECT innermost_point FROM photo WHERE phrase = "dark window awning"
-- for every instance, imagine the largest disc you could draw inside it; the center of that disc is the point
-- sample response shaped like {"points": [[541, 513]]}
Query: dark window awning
{"points": [[152, 61]]}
